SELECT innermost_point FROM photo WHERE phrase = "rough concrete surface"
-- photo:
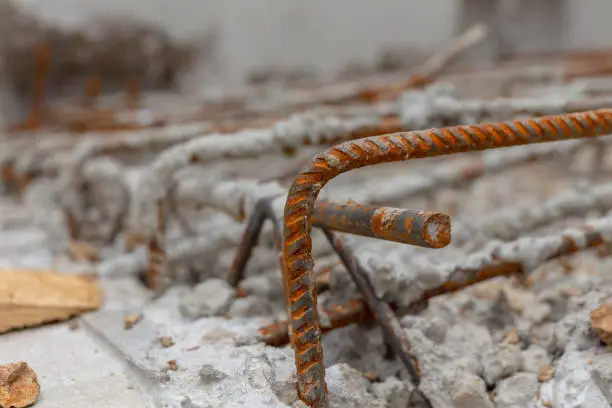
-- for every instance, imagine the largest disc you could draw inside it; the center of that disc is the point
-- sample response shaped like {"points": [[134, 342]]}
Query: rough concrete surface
{"points": [[175, 201], [218, 361]]}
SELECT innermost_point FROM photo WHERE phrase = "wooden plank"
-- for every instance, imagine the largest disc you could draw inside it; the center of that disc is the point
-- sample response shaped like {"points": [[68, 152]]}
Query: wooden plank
{"points": [[34, 297]]}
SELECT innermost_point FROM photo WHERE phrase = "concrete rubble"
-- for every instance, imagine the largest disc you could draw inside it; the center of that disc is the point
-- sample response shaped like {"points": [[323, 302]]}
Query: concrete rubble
{"points": [[511, 342]]}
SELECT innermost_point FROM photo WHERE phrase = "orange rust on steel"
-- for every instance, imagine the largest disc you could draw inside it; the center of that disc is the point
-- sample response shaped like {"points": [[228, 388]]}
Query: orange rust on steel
{"points": [[386, 93], [93, 86], [263, 211], [42, 68], [425, 229], [462, 278], [133, 92], [13, 180], [413, 227], [340, 315], [297, 245], [73, 226], [157, 263], [394, 336]]}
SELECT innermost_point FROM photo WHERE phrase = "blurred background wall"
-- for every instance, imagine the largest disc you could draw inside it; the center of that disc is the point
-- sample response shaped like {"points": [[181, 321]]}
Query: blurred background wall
{"points": [[328, 35]]}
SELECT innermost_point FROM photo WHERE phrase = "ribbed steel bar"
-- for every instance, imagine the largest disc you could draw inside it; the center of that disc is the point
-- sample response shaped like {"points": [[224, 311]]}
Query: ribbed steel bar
{"points": [[462, 277], [300, 205], [263, 211], [340, 315], [157, 263], [414, 227], [393, 333]]}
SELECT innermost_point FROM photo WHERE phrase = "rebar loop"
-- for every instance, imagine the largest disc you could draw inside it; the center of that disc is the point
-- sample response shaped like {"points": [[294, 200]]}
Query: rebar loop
{"points": [[300, 205]]}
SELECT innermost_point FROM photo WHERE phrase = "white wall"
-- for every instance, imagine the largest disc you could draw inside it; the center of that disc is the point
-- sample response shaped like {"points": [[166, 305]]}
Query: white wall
{"points": [[258, 33], [590, 23], [331, 33]]}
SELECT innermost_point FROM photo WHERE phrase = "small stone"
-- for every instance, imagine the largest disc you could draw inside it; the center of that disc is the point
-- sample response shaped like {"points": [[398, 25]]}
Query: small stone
{"points": [[250, 306], [542, 335], [545, 373], [256, 285], [210, 375], [166, 341], [601, 322], [130, 320], [534, 358], [470, 391], [571, 292], [434, 327], [73, 324], [83, 251], [537, 312], [371, 375], [211, 298], [501, 361], [518, 391], [19, 386], [172, 365], [512, 337], [394, 391], [347, 387]]}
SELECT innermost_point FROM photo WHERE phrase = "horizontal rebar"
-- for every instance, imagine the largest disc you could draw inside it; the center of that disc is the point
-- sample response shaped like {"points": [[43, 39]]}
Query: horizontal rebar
{"points": [[414, 227], [340, 315], [420, 228]]}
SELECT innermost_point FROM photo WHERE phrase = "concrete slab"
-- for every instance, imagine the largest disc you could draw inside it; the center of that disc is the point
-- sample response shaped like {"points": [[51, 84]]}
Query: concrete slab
{"points": [[73, 369]]}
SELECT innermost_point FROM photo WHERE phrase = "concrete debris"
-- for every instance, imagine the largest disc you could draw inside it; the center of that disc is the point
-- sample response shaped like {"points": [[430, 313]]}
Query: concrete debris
{"points": [[470, 391], [394, 391], [534, 219], [344, 383], [500, 362], [520, 390], [534, 358], [211, 298]]}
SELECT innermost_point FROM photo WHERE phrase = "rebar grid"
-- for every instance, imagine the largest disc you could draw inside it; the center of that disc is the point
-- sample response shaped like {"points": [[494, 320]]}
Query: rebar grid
{"points": [[297, 260]]}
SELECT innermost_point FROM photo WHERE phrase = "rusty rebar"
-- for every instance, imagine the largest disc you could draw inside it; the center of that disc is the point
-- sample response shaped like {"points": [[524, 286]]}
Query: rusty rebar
{"points": [[277, 334], [92, 87], [157, 265], [463, 277], [413, 227], [340, 315], [263, 211], [430, 230], [297, 245], [42, 69], [385, 317]]}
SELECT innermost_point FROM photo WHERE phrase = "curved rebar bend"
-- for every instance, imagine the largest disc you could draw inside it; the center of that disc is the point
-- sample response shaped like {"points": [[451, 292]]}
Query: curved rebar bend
{"points": [[297, 259]]}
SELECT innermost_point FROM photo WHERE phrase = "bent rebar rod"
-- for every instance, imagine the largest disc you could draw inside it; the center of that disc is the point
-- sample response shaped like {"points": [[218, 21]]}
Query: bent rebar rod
{"points": [[430, 230], [413, 227], [297, 259]]}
